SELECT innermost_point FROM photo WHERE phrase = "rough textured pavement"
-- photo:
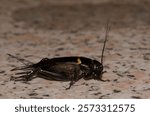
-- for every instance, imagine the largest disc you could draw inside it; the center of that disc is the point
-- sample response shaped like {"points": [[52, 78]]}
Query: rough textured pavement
{"points": [[43, 28]]}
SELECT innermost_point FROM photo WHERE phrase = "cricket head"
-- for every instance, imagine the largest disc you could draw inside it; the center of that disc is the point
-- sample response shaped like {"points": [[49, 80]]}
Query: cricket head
{"points": [[97, 70]]}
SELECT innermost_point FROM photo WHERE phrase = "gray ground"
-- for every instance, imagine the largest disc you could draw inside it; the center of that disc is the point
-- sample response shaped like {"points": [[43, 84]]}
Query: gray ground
{"points": [[34, 29]]}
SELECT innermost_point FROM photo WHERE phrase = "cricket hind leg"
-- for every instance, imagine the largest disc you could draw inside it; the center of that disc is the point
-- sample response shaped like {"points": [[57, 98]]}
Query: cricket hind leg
{"points": [[50, 75], [25, 76], [57, 77], [54, 77]]}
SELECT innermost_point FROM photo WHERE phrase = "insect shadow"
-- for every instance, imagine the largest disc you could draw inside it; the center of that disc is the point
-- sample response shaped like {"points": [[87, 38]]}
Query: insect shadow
{"points": [[71, 68]]}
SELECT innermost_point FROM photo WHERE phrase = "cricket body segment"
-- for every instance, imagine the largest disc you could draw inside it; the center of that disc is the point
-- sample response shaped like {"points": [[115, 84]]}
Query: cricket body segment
{"points": [[71, 68]]}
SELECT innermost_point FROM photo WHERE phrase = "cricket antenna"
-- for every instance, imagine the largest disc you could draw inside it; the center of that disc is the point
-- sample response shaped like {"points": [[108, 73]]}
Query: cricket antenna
{"points": [[106, 37]]}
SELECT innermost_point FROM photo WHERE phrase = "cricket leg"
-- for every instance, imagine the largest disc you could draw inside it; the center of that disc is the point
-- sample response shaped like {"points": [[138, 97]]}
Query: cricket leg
{"points": [[73, 80], [102, 79], [71, 83], [26, 77], [50, 75]]}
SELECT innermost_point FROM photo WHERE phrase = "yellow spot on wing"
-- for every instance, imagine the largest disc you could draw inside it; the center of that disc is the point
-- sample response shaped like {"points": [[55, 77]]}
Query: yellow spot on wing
{"points": [[79, 61]]}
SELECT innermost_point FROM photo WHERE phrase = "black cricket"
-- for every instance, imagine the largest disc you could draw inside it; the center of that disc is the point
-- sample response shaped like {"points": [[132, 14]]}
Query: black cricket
{"points": [[71, 68]]}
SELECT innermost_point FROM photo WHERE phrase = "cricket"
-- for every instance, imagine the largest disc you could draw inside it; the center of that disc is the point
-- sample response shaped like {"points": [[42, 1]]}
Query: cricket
{"points": [[71, 68]]}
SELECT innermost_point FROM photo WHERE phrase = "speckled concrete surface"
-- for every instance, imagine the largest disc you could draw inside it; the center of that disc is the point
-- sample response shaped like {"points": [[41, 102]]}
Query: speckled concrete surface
{"points": [[44, 28]]}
